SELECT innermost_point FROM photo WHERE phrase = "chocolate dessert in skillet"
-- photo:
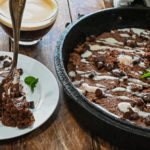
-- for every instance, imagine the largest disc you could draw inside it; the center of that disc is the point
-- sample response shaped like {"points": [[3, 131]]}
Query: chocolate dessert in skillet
{"points": [[108, 70], [14, 108]]}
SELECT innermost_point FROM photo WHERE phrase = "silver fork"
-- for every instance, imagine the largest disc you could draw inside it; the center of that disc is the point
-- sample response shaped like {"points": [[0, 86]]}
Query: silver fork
{"points": [[16, 11], [16, 8]]}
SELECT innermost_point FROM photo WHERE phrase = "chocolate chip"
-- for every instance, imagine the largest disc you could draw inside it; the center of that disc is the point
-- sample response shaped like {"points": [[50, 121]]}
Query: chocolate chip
{"points": [[20, 71], [30, 104], [2, 58], [143, 37], [132, 44], [147, 120], [133, 103], [146, 97], [115, 65], [100, 65], [109, 67], [140, 102], [100, 60], [131, 115], [125, 42], [118, 73], [136, 60], [67, 24], [92, 74], [99, 93], [146, 86], [6, 64]]}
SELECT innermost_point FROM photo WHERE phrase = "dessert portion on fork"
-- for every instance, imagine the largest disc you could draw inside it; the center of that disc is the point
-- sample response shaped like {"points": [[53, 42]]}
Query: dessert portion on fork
{"points": [[14, 108]]}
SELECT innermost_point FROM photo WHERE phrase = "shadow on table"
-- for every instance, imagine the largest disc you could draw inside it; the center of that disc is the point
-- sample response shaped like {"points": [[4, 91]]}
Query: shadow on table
{"points": [[109, 133], [37, 131]]}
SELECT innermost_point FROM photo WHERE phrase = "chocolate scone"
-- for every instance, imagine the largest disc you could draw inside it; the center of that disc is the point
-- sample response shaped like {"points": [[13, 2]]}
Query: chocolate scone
{"points": [[107, 69], [14, 108]]}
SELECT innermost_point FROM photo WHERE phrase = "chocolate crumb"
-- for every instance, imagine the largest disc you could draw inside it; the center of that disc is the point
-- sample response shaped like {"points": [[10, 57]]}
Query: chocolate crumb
{"points": [[6, 64], [31, 104], [99, 93], [109, 67], [125, 42], [2, 58], [92, 74], [146, 97], [136, 61], [131, 115], [140, 104], [100, 65], [20, 71]]}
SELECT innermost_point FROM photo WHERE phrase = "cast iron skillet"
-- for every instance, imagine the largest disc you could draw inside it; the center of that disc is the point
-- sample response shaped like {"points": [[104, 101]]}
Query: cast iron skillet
{"points": [[97, 23]]}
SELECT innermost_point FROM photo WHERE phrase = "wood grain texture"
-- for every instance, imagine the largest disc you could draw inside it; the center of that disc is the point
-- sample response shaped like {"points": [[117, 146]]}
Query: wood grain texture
{"points": [[84, 7], [4, 41], [62, 131]]}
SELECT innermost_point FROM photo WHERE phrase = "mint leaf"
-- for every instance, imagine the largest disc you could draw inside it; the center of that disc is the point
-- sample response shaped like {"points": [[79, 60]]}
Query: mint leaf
{"points": [[31, 82], [145, 75]]}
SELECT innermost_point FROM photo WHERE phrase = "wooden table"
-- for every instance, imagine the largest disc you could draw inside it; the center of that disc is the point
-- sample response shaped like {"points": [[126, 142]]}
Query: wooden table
{"points": [[62, 131]]}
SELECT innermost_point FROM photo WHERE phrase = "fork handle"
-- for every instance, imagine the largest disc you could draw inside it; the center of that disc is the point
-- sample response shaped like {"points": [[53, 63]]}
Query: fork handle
{"points": [[16, 8]]}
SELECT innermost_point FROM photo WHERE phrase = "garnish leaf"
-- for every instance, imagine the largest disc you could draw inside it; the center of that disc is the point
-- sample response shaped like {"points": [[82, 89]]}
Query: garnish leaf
{"points": [[31, 82], [145, 75]]}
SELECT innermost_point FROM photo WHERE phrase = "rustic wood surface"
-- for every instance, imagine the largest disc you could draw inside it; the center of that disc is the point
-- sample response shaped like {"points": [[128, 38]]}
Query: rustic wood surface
{"points": [[62, 131]]}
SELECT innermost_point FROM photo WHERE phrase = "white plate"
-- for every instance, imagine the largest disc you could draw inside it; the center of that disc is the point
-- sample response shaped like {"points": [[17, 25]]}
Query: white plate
{"points": [[45, 96]]}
